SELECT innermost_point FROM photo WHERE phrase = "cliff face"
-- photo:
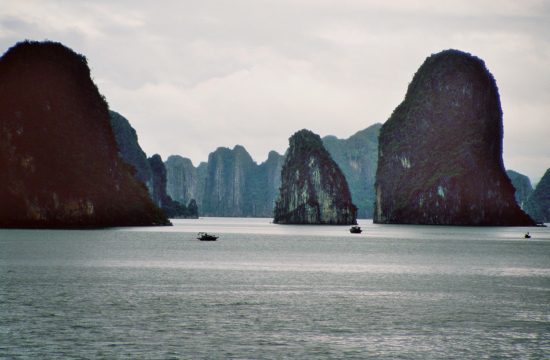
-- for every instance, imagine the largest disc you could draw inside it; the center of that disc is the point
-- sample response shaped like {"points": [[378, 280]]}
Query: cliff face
{"points": [[523, 187], [265, 183], [129, 149], [230, 184], [227, 179], [184, 181], [173, 209], [357, 157], [158, 171], [59, 160], [313, 188], [538, 205], [440, 152]]}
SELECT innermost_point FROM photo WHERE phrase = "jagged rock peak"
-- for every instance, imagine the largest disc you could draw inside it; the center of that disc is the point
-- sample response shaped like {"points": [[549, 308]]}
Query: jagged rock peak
{"points": [[58, 155], [313, 188], [440, 152]]}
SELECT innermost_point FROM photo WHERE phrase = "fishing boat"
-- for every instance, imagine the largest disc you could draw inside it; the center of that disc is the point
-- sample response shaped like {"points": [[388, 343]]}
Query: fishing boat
{"points": [[202, 236], [355, 229]]}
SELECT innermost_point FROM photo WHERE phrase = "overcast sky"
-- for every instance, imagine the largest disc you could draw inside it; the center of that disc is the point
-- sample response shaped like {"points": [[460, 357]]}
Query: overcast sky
{"points": [[195, 75]]}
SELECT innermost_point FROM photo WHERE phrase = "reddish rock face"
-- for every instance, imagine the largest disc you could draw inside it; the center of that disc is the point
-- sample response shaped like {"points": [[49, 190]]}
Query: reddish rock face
{"points": [[58, 157], [440, 152]]}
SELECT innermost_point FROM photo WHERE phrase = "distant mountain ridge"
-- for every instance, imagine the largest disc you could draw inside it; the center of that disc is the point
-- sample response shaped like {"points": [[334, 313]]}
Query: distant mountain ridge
{"points": [[231, 183]]}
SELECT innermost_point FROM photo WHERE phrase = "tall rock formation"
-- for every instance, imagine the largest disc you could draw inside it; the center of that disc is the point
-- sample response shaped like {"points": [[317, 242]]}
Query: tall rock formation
{"points": [[538, 205], [523, 187], [313, 188], [129, 149], [227, 181], [357, 157], [59, 160], [173, 209], [184, 181], [440, 152]]}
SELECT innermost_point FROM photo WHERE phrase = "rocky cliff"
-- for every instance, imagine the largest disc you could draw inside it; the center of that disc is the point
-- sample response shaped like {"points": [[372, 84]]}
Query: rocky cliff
{"points": [[184, 181], [440, 152], [538, 205], [265, 183], [357, 157], [523, 187], [59, 160], [129, 149], [173, 209], [313, 188], [227, 182]]}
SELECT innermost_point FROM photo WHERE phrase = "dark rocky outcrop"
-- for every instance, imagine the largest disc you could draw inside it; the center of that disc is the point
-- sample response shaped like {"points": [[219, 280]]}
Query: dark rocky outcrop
{"points": [[58, 157], [440, 152], [357, 157], [129, 149], [538, 205], [523, 187], [173, 209], [313, 188]]}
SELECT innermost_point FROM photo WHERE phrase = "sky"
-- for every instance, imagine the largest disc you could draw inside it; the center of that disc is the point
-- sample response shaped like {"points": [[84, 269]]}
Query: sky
{"points": [[195, 75]]}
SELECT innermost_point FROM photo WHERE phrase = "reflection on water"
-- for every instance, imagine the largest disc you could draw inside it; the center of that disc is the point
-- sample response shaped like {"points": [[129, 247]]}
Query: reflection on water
{"points": [[272, 291]]}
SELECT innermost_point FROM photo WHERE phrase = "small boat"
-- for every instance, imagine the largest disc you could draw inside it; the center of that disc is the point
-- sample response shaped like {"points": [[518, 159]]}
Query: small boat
{"points": [[527, 236], [202, 236], [355, 229]]}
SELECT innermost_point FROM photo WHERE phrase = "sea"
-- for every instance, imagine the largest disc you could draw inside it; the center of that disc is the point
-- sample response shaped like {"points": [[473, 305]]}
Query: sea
{"points": [[267, 291]]}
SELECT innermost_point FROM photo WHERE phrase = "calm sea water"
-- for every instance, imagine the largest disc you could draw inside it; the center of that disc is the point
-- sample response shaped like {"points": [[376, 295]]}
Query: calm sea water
{"points": [[265, 291]]}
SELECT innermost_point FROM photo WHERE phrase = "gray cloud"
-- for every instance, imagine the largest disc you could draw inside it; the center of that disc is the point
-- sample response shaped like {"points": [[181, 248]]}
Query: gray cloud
{"points": [[194, 75]]}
